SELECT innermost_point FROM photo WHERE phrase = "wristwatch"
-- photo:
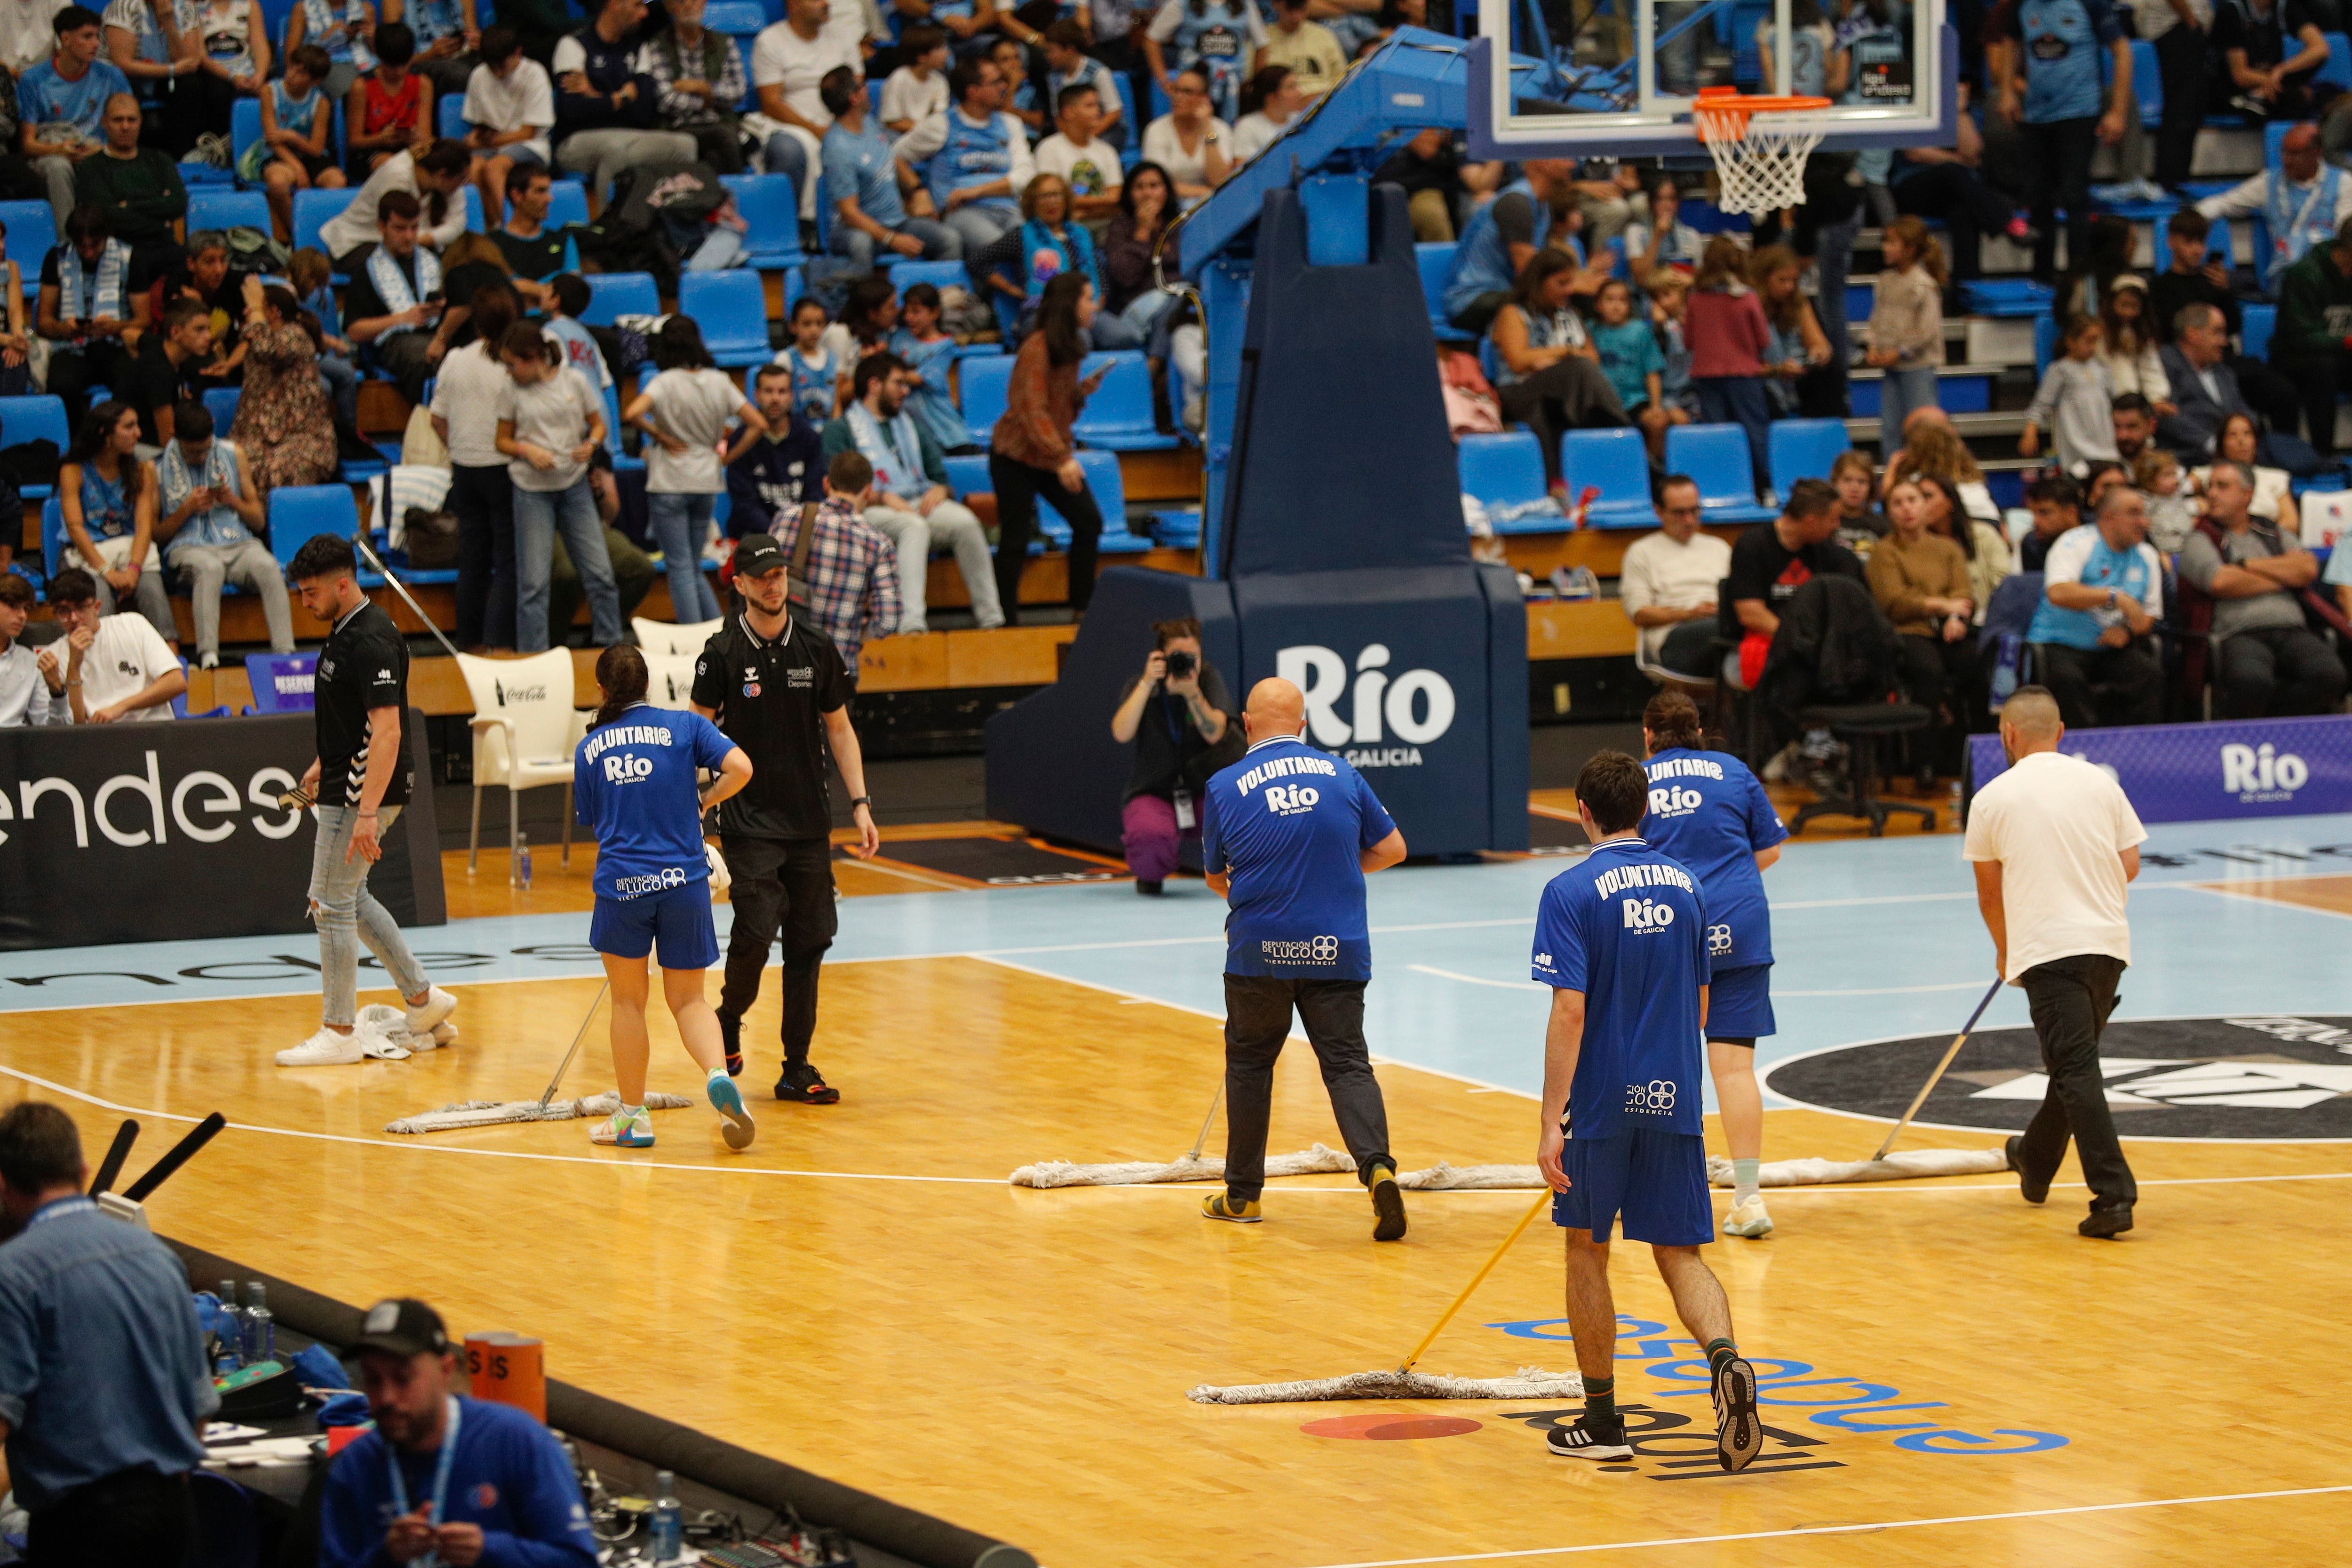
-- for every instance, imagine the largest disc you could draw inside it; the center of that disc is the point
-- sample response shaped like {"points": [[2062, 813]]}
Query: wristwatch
{"points": [[864, 800]]}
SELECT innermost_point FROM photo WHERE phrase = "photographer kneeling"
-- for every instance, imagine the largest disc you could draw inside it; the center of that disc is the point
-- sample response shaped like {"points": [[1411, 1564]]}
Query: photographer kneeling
{"points": [[1179, 716]]}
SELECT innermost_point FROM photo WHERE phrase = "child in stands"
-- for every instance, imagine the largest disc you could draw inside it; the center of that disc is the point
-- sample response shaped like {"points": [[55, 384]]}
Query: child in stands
{"points": [[817, 371], [1669, 293], [1860, 522], [2171, 517], [2075, 402], [1634, 364], [1729, 338], [292, 154], [928, 353], [313, 277], [392, 107], [2129, 351], [917, 90], [1907, 326]]}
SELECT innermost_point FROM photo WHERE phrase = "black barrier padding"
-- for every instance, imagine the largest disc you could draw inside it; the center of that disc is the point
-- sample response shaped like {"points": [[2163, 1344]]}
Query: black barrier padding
{"points": [[665, 1445]]}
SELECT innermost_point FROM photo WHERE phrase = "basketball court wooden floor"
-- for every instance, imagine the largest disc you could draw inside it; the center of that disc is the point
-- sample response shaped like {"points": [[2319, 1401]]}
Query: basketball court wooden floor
{"points": [[1952, 1375]]}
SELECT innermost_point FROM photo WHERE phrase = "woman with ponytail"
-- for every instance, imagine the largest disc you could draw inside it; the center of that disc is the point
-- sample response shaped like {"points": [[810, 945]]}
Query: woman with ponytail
{"points": [[1707, 811], [635, 777]]}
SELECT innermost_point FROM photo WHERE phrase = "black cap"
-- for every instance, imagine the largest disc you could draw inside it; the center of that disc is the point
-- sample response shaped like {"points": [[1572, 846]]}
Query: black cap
{"points": [[759, 554], [403, 1326]]}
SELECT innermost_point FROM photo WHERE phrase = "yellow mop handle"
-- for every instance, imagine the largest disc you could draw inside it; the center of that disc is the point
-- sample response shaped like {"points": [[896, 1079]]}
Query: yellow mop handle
{"points": [[1477, 1279]]}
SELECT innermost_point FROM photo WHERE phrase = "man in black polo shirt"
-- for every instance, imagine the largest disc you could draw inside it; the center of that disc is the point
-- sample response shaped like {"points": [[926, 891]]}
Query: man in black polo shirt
{"points": [[532, 247], [360, 780], [165, 373], [777, 687]]}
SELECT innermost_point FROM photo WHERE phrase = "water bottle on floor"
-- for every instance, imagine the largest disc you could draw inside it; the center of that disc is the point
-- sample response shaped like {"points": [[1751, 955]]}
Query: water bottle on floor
{"points": [[260, 1328], [522, 861], [669, 1520]]}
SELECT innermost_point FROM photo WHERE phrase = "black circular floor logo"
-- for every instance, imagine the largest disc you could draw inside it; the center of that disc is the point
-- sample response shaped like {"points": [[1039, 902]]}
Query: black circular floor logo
{"points": [[2251, 1078]]}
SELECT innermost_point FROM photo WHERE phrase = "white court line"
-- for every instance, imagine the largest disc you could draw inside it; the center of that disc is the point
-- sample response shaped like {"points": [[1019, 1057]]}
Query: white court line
{"points": [[1477, 979], [1531, 985], [1803, 1529], [2220, 891]]}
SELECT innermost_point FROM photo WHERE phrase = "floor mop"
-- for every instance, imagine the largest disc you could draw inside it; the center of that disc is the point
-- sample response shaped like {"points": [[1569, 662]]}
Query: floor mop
{"points": [[1403, 1382], [546, 1108]]}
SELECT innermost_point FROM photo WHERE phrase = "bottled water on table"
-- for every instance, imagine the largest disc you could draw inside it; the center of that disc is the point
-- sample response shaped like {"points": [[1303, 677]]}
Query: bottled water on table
{"points": [[260, 1328], [669, 1520]]}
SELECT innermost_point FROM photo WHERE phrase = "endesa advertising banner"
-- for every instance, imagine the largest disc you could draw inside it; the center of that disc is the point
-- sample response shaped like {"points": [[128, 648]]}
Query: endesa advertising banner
{"points": [[2203, 773]]}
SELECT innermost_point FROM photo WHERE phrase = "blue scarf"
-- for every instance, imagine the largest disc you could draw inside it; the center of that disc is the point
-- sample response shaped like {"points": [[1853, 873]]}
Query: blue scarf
{"points": [[107, 298], [1076, 246], [215, 525], [895, 450], [392, 285]]}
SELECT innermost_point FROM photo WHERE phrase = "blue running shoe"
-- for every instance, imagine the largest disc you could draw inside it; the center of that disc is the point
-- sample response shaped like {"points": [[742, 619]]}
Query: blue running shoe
{"points": [[727, 1100]]}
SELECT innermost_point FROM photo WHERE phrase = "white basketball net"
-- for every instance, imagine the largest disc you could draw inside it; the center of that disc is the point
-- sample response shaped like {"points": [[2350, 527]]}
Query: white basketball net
{"points": [[1760, 156]]}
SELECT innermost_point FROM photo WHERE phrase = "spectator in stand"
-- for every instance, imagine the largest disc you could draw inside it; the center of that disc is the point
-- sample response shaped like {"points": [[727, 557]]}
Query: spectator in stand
{"points": [[2056, 502], [1729, 339], [1669, 582], [2302, 199], [2267, 663], [1146, 204], [138, 188], [1945, 183], [979, 156], [1635, 365], [1021, 100], [1310, 48], [853, 572], [2103, 478], [1931, 446], [2128, 347], [1983, 543], [2273, 502], [61, 103], [283, 417], [2094, 634], [502, 1493], [291, 154], [1190, 141], [861, 179], [1669, 295], [1069, 65], [1215, 37], [1771, 562], [2042, 57], [146, 43], [235, 62], [819, 371], [2075, 402], [510, 107], [2180, 29], [790, 60], [84, 307], [1049, 242], [1500, 239], [166, 373], [533, 250], [919, 88], [1906, 325], [2339, 577], [25, 36], [1270, 103], [108, 496], [210, 518], [2192, 275], [2171, 513], [550, 422], [1862, 523], [393, 109], [111, 668], [1664, 241], [929, 354], [1921, 581], [395, 299], [1796, 346], [783, 469], [1177, 720], [1032, 451], [686, 411], [103, 1386], [24, 694], [1547, 371], [1608, 199], [2204, 391], [966, 20], [433, 179], [465, 415], [1430, 168], [2263, 77], [912, 506], [344, 29], [2311, 346], [1075, 153], [2133, 418], [699, 80], [605, 106]]}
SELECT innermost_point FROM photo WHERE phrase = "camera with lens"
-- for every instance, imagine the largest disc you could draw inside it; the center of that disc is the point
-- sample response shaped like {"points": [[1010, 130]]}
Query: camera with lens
{"points": [[1182, 664]]}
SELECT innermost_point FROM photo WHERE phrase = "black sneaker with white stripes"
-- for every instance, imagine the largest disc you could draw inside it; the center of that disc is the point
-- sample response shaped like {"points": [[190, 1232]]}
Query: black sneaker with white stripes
{"points": [[1589, 1439], [1738, 1429]]}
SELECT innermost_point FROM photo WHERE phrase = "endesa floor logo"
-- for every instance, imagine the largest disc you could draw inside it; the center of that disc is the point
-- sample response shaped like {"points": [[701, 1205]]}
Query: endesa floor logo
{"points": [[1415, 707]]}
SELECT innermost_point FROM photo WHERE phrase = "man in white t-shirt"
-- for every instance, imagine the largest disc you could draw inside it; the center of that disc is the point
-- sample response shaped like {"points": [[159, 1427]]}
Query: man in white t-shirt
{"points": [[2056, 845], [1668, 584], [509, 109], [111, 668], [789, 62], [1084, 161]]}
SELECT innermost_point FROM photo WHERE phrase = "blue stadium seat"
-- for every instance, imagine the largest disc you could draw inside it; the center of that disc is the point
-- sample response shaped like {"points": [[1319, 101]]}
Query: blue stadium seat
{"points": [[621, 462], [1717, 457], [1618, 463], [473, 197], [1502, 471], [939, 274], [311, 211], [2274, 134], [980, 385], [298, 513], [771, 208], [1435, 262], [968, 475], [732, 308], [53, 535], [2147, 80], [32, 228], [24, 419], [735, 16], [222, 207], [2046, 339], [244, 128], [1118, 416], [611, 295], [2256, 322], [2219, 245], [281, 682], [220, 401], [1804, 449], [567, 202], [2337, 70], [1110, 497], [449, 113]]}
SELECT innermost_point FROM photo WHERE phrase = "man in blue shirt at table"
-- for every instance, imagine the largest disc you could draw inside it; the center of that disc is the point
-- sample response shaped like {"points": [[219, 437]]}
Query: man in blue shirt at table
{"points": [[103, 1385], [464, 1479], [1288, 835], [1620, 938]]}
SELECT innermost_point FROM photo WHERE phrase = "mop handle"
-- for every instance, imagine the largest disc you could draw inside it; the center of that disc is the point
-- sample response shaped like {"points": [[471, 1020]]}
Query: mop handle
{"points": [[565, 1066], [401, 588], [1477, 1279], [1937, 1077], [1214, 1100], [110, 1167]]}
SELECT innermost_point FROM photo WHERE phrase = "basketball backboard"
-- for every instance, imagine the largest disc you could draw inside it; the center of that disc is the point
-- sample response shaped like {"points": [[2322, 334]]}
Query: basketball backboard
{"points": [[1603, 77]]}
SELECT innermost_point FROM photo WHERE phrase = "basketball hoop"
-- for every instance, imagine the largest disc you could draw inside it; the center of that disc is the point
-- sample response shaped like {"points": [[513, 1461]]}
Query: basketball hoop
{"points": [[1760, 146]]}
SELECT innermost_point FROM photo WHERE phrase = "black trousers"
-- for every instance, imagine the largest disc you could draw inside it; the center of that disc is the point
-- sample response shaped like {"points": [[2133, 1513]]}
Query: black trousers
{"points": [[1970, 208], [2316, 382], [2071, 999], [2180, 61], [131, 1516], [780, 885], [1017, 487], [1257, 1023], [1941, 675], [73, 372], [1572, 394], [2127, 683], [404, 356], [2276, 672], [2274, 397], [2058, 174], [1479, 313], [483, 500], [1689, 650]]}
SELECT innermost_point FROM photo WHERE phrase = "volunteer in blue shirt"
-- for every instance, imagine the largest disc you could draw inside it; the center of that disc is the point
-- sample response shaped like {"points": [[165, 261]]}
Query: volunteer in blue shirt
{"points": [[1707, 811], [2044, 59], [103, 1385], [1620, 938], [2094, 633], [635, 778], [1288, 835], [458, 1481]]}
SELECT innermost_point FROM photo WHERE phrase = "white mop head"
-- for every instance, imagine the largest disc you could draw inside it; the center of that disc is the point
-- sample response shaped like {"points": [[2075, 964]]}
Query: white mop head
{"points": [[1532, 1383], [1318, 1160], [1901, 1165], [1445, 1178], [490, 1112]]}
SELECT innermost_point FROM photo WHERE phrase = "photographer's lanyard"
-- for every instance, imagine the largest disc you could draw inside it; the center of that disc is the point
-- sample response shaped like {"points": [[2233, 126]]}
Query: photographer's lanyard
{"points": [[440, 1480], [1182, 799]]}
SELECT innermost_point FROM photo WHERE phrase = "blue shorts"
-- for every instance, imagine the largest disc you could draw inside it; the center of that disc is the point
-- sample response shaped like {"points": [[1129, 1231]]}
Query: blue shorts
{"points": [[1655, 1181], [676, 920], [1739, 1002]]}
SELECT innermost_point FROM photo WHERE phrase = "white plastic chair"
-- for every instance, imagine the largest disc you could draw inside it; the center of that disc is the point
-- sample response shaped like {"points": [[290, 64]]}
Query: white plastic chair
{"points": [[661, 637], [524, 732], [669, 679]]}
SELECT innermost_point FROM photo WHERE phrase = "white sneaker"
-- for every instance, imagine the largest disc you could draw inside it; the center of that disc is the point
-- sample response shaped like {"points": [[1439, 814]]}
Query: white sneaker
{"points": [[325, 1048], [1748, 1219], [438, 1004]]}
